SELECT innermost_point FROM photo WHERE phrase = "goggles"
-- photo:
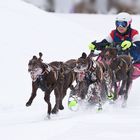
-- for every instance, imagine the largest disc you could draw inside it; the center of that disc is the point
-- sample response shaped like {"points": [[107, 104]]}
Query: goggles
{"points": [[121, 24]]}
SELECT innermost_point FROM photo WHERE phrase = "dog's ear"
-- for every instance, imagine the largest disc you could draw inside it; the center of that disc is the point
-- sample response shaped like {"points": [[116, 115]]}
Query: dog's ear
{"points": [[40, 56], [84, 55], [113, 52], [34, 57]]}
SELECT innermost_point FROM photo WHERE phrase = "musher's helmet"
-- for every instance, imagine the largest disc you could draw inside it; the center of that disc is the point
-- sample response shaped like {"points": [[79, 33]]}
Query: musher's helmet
{"points": [[123, 19]]}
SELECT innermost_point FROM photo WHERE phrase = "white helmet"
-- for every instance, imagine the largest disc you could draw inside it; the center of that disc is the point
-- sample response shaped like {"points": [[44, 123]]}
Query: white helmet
{"points": [[124, 17]]}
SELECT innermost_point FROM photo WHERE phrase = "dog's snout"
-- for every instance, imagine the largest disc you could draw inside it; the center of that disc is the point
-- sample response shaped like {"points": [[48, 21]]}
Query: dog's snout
{"points": [[32, 72], [29, 70], [78, 66]]}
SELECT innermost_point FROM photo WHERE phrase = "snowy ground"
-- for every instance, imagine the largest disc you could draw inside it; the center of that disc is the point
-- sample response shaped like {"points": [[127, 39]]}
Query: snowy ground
{"points": [[26, 30]]}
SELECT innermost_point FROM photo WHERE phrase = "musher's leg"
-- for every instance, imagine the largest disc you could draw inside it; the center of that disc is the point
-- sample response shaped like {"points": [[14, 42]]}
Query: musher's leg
{"points": [[136, 72]]}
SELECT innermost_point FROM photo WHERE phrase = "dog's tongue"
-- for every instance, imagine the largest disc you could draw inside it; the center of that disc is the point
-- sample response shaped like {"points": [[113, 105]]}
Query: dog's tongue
{"points": [[33, 77], [81, 76], [108, 61]]}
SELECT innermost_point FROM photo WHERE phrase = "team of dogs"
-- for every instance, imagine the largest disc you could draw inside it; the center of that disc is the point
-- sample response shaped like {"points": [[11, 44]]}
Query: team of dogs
{"points": [[105, 78]]}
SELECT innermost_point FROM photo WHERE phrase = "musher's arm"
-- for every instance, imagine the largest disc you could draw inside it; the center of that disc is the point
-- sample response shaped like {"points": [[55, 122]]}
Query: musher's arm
{"points": [[101, 45]]}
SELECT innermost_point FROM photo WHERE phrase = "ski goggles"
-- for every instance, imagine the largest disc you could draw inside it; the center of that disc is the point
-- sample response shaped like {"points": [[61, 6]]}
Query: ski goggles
{"points": [[121, 24]]}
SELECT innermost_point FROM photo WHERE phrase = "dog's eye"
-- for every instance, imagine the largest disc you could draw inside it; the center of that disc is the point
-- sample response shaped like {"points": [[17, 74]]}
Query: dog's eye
{"points": [[34, 63]]}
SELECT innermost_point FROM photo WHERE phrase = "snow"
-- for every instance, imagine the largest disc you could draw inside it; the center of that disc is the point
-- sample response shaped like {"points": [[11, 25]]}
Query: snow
{"points": [[26, 30]]}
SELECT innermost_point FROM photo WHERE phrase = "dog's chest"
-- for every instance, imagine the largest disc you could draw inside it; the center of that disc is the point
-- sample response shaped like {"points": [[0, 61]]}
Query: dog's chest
{"points": [[42, 83]]}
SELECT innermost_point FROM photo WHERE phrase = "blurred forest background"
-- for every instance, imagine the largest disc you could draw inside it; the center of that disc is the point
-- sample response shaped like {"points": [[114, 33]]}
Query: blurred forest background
{"points": [[88, 6]]}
